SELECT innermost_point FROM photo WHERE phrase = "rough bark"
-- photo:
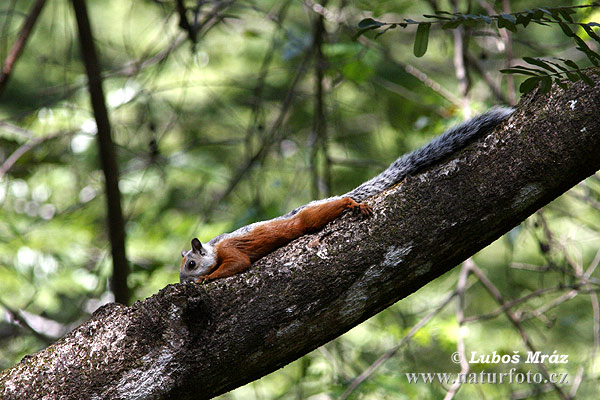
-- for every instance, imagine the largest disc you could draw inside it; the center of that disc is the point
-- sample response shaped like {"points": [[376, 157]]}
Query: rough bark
{"points": [[194, 341]]}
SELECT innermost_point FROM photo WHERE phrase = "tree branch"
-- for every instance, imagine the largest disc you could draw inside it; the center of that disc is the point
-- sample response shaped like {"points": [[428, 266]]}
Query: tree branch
{"points": [[19, 45], [193, 341]]}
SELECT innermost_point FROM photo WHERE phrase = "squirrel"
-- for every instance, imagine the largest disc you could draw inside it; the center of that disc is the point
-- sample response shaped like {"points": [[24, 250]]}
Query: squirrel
{"points": [[233, 253]]}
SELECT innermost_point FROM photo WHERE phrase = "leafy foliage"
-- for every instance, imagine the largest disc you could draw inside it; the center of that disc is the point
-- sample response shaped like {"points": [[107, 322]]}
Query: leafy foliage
{"points": [[549, 72]]}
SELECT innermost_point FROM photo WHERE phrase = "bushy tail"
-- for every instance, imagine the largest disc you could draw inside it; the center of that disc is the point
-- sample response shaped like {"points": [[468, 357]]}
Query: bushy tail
{"points": [[447, 143]]}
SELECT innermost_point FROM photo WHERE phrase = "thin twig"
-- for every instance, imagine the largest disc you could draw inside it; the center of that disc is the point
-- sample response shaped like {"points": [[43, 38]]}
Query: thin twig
{"points": [[21, 321], [507, 305], [506, 38], [494, 87], [576, 382], [495, 293], [21, 150], [257, 92], [460, 57], [272, 136], [388, 354], [596, 326], [17, 48], [595, 310], [508, 44], [460, 316], [414, 71]]}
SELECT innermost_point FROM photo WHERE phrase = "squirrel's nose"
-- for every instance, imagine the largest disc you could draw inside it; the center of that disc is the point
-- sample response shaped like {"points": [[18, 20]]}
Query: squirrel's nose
{"points": [[183, 277]]}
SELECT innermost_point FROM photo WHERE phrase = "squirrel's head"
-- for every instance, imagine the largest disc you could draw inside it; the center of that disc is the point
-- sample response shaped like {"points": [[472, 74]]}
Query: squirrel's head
{"points": [[200, 260]]}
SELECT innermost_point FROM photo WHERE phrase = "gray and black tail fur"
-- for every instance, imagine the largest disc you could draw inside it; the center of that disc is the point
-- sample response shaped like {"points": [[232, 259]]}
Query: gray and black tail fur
{"points": [[447, 143]]}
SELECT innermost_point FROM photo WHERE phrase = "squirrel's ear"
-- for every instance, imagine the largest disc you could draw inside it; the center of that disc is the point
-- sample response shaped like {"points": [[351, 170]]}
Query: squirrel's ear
{"points": [[197, 246], [183, 253]]}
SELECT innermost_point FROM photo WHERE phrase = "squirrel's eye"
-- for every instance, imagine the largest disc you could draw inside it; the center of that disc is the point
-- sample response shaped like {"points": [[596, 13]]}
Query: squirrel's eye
{"points": [[192, 264]]}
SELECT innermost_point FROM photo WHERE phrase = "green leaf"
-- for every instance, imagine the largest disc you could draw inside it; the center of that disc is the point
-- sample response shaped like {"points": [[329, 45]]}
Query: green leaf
{"points": [[591, 55], [537, 14], [487, 19], [557, 65], [541, 23], [529, 84], [588, 29], [560, 83], [360, 32], [546, 84], [556, 15], [509, 17], [524, 19], [539, 63], [436, 17], [570, 63], [392, 26], [566, 29], [421, 39], [544, 10], [453, 24], [570, 75], [566, 13], [508, 24], [585, 78], [369, 23], [518, 71], [522, 67], [583, 44]]}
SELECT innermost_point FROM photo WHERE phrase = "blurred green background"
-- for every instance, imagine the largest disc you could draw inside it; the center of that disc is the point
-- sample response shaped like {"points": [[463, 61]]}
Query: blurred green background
{"points": [[226, 131]]}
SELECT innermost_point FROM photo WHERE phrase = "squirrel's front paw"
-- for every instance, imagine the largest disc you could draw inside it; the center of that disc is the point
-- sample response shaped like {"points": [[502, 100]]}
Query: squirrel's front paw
{"points": [[365, 209], [202, 279]]}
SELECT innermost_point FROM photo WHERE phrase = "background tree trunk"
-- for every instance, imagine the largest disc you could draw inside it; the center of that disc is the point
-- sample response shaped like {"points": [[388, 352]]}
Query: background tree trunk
{"points": [[108, 156], [197, 341]]}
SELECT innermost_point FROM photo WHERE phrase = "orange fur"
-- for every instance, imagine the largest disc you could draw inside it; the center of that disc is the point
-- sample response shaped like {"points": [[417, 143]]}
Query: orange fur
{"points": [[235, 254]]}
